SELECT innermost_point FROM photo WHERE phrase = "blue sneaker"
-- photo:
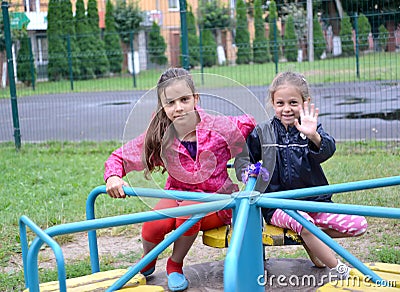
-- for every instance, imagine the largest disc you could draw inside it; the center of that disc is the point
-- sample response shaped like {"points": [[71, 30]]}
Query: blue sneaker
{"points": [[149, 272], [177, 282]]}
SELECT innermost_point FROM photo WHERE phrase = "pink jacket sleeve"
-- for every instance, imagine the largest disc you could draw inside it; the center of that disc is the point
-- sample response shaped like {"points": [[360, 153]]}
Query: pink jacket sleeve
{"points": [[237, 139], [125, 159]]}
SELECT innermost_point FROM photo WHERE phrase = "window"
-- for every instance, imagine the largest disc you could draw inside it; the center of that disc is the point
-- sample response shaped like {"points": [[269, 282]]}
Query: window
{"points": [[173, 5]]}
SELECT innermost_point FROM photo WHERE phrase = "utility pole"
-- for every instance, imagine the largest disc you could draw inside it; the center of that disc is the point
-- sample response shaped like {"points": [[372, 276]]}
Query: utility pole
{"points": [[11, 76], [310, 30]]}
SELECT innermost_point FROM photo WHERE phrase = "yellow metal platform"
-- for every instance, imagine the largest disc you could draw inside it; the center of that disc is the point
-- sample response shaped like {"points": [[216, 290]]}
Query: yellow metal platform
{"points": [[100, 282], [271, 236], [357, 281]]}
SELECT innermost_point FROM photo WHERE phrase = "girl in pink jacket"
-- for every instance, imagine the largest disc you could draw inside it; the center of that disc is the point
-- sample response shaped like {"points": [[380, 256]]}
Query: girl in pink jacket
{"points": [[193, 147]]}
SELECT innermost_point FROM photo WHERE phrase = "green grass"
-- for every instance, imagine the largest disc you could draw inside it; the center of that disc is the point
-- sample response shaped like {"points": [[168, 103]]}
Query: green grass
{"points": [[374, 66], [49, 182]]}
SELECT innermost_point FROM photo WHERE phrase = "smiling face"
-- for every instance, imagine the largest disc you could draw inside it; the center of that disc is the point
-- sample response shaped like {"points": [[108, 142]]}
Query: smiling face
{"points": [[179, 102], [287, 103]]}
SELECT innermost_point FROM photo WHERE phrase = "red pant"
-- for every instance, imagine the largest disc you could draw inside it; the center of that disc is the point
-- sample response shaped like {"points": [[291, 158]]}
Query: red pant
{"points": [[155, 231]]}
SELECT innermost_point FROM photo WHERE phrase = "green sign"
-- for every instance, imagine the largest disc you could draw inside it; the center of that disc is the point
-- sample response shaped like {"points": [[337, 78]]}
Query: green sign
{"points": [[18, 20]]}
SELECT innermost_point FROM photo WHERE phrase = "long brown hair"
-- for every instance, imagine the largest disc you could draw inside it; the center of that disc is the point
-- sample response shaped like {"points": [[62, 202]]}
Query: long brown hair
{"points": [[159, 134]]}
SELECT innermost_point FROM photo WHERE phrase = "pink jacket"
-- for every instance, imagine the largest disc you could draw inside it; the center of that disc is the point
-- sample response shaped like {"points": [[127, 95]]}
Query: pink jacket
{"points": [[219, 138]]}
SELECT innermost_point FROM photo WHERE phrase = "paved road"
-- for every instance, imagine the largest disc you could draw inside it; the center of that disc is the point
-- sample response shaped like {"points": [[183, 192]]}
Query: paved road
{"points": [[349, 111]]}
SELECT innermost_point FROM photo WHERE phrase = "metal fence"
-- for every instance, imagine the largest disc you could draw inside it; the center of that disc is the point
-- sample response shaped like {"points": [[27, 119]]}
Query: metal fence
{"points": [[354, 81]]}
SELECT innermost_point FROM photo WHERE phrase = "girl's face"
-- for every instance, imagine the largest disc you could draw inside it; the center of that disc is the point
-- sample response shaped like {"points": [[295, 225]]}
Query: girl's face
{"points": [[179, 102], [287, 103]]}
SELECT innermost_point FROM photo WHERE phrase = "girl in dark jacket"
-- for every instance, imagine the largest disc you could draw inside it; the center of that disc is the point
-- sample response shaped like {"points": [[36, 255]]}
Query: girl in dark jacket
{"points": [[292, 147]]}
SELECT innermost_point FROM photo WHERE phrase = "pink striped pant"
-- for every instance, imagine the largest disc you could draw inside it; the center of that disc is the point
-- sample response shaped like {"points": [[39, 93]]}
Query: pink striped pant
{"points": [[353, 225]]}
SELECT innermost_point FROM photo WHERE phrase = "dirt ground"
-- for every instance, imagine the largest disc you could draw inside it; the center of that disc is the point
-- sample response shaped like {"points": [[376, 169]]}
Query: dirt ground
{"points": [[126, 249]]}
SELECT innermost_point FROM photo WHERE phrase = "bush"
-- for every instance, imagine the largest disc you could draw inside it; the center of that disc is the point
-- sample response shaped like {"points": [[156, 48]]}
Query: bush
{"points": [[383, 37], [364, 28], [242, 38], [346, 36], [157, 46], [319, 40], [290, 40], [25, 66], [274, 33], [193, 39], [209, 48], [260, 43], [112, 41]]}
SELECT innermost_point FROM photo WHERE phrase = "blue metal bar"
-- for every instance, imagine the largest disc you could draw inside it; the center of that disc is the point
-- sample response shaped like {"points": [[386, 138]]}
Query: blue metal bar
{"points": [[119, 220], [154, 253], [145, 192], [174, 194], [246, 237], [337, 188], [235, 246], [334, 245], [31, 280], [311, 206], [24, 247]]}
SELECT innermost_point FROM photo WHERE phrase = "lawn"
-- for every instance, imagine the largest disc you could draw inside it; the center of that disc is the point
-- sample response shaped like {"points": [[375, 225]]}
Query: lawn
{"points": [[49, 183]]}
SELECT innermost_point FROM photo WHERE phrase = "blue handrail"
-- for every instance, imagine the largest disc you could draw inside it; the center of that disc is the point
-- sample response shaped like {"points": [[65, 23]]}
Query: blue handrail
{"points": [[245, 251]]}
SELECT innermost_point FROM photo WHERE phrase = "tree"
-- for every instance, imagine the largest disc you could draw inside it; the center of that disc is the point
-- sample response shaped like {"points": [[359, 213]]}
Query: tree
{"points": [[319, 40], [274, 33], [209, 48], [193, 39], [364, 29], [70, 38], [379, 12], [260, 43], [16, 34], [215, 17], [290, 40], [112, 41], [127, 19], [383, 37], [100, 64], [157, 45], [57, 67], [25, 66], [346, 36], [299, 18], [86, 58], [242, 38]]}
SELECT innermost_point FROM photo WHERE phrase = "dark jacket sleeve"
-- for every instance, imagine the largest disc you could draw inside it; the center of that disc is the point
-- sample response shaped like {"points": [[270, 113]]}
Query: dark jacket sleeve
{"points": [[327, 148], [250, 154]]}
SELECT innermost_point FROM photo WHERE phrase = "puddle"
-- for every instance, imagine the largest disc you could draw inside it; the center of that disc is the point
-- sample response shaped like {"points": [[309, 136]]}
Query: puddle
{"points": [[116, 103], [388, 116], [352, 100], [389, 83]]}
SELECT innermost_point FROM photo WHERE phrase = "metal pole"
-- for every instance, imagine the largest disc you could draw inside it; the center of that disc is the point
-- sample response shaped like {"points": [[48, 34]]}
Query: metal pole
{"points": [[184, 35], [310, 31], [275, 46], [31, 64], [71, 73], [131, 38], [201, 54], [11, 77], [357, 45]]}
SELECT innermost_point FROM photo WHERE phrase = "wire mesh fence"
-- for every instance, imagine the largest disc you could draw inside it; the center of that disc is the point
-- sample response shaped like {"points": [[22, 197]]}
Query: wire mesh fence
{"points": [[77, 79]]}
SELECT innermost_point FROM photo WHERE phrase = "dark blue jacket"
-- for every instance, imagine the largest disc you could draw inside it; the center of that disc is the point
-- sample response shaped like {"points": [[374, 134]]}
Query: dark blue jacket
{"points": [[293, 160]]}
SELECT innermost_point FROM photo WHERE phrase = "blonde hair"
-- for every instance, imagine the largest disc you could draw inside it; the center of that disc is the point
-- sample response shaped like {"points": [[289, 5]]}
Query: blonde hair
{"points": [[289, 78]]}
